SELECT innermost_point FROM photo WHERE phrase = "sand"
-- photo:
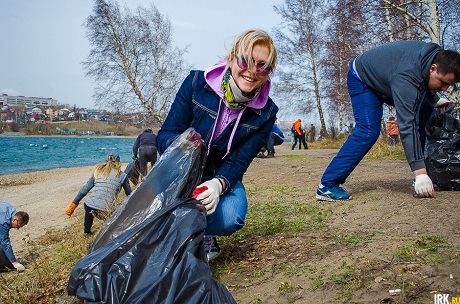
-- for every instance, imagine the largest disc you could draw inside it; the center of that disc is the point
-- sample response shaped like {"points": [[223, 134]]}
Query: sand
{"points": [[45, 195]]}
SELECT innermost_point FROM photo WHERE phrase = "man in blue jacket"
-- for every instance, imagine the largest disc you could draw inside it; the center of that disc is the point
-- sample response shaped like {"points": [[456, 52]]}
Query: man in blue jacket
{"points": [[9, 218], [403, 74]]}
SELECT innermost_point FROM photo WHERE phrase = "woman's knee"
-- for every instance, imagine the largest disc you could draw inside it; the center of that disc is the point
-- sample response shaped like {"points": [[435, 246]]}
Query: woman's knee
{"points": [[228, 228]]}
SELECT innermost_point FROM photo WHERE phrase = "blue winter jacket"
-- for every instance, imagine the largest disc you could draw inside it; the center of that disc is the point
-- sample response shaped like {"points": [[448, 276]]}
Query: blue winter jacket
{"points": [[7, 212], [196, 105]]}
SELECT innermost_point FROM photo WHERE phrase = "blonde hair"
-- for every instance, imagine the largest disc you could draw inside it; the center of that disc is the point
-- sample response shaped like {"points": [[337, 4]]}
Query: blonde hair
{"points": [[244, 44], [106, 168]]}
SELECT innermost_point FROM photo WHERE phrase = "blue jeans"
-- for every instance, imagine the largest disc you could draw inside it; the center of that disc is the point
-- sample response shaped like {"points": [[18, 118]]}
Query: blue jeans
{"points": [[393, 140], [367, 111], [230, 212]]}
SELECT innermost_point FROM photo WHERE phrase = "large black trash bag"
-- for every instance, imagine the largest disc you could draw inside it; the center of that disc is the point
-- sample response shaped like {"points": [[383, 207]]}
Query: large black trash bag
{"points": [[151, 249], [174, 175], [442, 158]]}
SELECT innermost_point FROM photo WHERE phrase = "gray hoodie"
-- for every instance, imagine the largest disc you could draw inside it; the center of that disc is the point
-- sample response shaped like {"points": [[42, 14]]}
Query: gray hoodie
{"points": [[398, 72]]}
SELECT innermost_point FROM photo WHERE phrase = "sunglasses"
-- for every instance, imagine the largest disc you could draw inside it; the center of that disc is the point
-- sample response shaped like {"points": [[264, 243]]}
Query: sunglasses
{"points": [[261, 67]]}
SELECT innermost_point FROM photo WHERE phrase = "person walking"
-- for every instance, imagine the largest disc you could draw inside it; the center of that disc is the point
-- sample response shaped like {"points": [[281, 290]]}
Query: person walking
{"points": [[107, 180], [414, 71], [297, 133], [229, 105], [311, 133], [146, 144], [392, 131], [9, 218]]}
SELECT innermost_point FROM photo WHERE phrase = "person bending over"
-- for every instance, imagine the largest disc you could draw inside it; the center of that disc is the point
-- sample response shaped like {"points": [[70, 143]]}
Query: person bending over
{"points": [[146, 144], [9, 218], [403, 74], [107, 180]]}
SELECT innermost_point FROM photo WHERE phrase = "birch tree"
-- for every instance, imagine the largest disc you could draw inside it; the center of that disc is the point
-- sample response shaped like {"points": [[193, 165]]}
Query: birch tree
{"points": [[299, 45], [345, 41], [132, 58]]}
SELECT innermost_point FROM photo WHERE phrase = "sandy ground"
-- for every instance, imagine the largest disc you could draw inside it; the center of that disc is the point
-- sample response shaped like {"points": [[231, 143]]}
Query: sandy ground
{"points": [[45, 195]]}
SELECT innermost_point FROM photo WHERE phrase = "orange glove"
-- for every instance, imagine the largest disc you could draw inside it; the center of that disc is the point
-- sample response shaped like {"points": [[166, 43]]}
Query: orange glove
{"points": [[71, 209]]}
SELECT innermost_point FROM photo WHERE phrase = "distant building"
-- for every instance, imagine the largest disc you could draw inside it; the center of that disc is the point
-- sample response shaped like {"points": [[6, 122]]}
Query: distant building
{"points": [[28, 102]]}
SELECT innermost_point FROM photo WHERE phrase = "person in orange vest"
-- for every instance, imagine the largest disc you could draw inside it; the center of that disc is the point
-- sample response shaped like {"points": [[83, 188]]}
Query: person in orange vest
{"points": [[297, 133], [392, 131]]}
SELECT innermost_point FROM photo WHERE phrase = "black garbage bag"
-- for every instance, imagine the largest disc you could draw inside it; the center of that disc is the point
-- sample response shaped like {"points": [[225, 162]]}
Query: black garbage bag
{"points": [[442, 153], [133, 171], [151, 248]]}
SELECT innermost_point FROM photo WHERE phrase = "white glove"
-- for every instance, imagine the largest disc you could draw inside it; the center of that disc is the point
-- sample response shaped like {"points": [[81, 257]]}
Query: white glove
{"points": [[423, 185], [210, 197], [19, 267]]}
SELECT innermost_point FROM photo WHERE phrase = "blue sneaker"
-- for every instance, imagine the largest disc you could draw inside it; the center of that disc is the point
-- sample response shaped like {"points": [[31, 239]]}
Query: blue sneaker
{"points": [[332, 194]]}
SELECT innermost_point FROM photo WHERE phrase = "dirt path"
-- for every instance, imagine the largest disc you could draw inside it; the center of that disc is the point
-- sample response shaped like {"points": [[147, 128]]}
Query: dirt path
{"points": [[360, 254]]}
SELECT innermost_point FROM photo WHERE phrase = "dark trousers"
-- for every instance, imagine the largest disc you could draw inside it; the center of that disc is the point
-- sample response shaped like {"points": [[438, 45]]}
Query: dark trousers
{"points": [[303, 140], [273, 140], [5, 264], [147, 153], [296, 138], [90, 213]]}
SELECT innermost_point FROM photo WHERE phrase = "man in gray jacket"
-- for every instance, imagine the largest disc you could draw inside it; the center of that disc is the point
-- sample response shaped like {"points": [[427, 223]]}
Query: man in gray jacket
{"points": [[403, 74]]}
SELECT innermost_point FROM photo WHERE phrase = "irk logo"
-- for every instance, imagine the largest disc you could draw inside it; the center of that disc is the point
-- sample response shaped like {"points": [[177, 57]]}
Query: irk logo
{"points": [[441, 298]]}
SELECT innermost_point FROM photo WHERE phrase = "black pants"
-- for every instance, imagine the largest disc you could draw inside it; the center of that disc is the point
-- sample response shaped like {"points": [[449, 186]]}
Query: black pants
{"points": [[5, 263], [90, 213], [147, 154], [303, 141], [273, 140]]}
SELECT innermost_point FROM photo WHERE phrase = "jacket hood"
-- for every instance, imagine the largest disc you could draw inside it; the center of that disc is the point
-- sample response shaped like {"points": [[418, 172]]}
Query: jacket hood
{"points": [[214, 75]]}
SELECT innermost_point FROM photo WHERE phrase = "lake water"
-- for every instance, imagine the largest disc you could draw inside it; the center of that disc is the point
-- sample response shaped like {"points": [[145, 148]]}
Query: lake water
{"points": [[20, 154]]}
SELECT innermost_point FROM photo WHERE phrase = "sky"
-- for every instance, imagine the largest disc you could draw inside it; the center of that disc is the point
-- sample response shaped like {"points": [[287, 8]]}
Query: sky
{"points": [[43, 42]]}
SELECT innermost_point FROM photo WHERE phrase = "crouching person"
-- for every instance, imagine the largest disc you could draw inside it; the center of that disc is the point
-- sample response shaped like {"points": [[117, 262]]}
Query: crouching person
{"points": [[228, 104], [9, 218]]}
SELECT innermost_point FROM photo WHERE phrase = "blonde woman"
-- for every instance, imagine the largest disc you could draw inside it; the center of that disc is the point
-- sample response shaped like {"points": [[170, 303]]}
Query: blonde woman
{"points": [[228, 104], [107, 180]]}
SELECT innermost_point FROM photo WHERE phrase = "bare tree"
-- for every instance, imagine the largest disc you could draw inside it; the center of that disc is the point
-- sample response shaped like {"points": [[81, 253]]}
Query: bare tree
{"points": [[299, 46], [132, 58], [345, 41], [434, 20]]}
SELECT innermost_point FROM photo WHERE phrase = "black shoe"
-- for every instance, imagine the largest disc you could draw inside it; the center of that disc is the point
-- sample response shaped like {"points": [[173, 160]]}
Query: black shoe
{"points": [[270, 155], [260, 155], [211, 247], [87, 234]]}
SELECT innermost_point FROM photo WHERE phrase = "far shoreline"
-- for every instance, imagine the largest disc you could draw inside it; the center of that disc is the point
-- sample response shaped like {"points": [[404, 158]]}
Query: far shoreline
{"points": [[22, 134], [42, 171]]}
